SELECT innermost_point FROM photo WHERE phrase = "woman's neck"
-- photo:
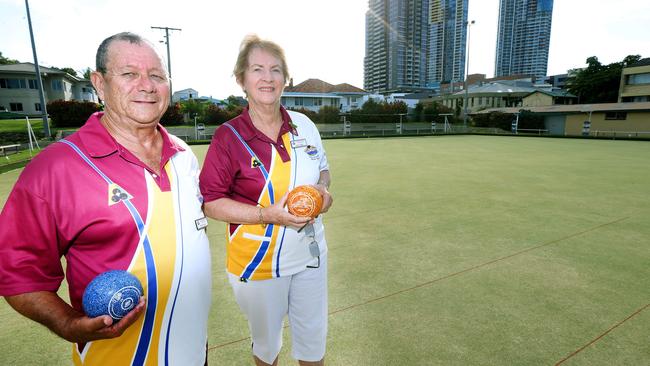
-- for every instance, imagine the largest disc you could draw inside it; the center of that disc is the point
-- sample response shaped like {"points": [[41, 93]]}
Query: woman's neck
{"points": [[266, 119]]}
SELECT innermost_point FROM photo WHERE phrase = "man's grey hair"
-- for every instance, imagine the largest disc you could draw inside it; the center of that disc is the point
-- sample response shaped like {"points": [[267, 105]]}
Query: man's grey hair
{"points": [[102, 51]]}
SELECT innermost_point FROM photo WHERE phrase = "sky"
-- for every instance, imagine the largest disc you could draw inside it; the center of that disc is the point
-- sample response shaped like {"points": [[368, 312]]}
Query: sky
{"points": [[322, 39]]}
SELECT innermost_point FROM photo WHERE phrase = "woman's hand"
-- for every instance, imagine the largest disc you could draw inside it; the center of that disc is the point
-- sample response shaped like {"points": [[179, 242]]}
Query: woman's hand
{"points": [[327, 197], [276, 214]]}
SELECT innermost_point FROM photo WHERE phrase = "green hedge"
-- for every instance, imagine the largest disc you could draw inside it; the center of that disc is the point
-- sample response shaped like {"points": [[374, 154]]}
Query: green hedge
{"points": [[70, 113]]}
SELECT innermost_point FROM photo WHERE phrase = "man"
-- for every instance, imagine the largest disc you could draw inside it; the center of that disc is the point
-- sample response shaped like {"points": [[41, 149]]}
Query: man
{"points": [[121, 193]]}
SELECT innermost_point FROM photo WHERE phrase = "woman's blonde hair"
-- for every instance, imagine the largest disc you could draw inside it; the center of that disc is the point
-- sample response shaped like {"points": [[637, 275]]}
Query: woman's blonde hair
{"points": [[250, 42]]}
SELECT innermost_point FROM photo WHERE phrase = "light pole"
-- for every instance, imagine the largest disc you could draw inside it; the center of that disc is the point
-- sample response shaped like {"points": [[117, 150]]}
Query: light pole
{"points": [[41, 95], [469, 23]]}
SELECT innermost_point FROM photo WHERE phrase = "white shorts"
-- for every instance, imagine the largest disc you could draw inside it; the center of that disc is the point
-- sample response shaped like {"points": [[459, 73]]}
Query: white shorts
{"points": [[302, 296]]}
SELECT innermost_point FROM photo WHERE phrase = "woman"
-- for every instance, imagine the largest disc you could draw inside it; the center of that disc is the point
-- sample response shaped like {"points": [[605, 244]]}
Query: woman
{"points": [[254, 160]]}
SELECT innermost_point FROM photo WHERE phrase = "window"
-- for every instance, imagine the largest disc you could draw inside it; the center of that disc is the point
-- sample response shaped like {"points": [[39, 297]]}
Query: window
{"points": [[32, 84], [13, 84], [318, 101], [57, 85], [37, 107], [16, 107], [616, 115], [297, 101], [334, 102], [638, 79]]}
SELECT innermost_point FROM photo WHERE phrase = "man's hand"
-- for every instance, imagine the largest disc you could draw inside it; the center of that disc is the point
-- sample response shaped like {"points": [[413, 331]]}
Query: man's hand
{"points": [[50, 310], [84, 329]]}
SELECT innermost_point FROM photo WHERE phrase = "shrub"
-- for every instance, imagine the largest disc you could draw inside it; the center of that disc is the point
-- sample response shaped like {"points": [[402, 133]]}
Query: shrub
{"points": [[328, 114], [172, 116], [431, 112], [527, 120], [374, 112], [307, 112], [215, 115], [70, 113]]}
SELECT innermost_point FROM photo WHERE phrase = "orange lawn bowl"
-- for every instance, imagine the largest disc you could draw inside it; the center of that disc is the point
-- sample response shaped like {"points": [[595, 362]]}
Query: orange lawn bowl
{"points": [[305, 201]]}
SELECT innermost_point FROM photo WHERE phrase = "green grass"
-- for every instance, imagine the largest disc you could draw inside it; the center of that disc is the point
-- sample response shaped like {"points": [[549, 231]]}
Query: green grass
{"points": [[20, 125], [458, 250]]}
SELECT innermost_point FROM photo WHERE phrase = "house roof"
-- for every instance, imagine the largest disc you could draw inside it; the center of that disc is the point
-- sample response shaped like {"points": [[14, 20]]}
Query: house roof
{"points": [[497, 87], [186, 90], [577, 108], [28, 68], [554, 93], [320, 86]]}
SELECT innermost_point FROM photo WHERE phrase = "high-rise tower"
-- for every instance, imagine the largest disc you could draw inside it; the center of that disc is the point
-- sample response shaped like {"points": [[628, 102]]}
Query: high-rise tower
{"points": [[523, 37], [414, 45]]}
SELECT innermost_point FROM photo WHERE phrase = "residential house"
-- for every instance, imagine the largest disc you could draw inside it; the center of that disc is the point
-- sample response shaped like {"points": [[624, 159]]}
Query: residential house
{"points": [[19, 88], [314, 94], [185, 94], [540, 98]]}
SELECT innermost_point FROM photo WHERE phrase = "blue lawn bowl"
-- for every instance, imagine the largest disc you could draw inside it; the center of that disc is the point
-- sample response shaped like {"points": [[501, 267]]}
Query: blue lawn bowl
{"points": [[113, 293]]}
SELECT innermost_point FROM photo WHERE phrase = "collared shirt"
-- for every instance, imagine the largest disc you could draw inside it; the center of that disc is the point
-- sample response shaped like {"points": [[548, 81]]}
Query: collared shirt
{"points": [[94, 202], [261, 176]]}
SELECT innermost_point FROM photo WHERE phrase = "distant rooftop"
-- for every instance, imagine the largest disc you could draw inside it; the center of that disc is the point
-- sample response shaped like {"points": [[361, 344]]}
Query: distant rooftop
{"points": [[504, 86], [320, 86], [28, 68]]}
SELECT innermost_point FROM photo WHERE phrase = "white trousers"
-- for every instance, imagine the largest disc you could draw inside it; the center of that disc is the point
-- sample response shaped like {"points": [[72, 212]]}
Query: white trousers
{"points": [[302, 296]]}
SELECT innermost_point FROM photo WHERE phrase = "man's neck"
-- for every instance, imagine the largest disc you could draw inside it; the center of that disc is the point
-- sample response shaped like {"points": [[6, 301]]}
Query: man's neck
{"points": [[144, 141]]}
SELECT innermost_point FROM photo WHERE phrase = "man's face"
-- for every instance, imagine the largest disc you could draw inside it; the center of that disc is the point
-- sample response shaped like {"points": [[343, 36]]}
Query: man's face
{"points": [[135, 87]]}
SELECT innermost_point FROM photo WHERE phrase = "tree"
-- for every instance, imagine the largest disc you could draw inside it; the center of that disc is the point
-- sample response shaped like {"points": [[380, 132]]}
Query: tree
{"points": [[7, 61], [598, 83], [87, 73], [68, 70], [193, 108]]}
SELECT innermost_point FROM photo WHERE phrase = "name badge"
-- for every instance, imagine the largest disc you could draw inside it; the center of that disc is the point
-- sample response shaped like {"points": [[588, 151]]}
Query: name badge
{"points": [[201, 223], [298, 143]]}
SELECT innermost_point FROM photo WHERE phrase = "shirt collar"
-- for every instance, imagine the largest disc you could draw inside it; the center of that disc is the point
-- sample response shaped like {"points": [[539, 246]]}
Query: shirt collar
{"points": [[249, 132], [99, 143]]}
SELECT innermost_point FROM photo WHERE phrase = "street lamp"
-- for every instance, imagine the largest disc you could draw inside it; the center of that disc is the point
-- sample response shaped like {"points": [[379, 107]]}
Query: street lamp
{"points": [[466, 73]]}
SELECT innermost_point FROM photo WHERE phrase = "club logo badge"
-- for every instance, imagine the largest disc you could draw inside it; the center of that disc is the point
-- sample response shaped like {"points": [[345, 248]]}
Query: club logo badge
{"points": [[255, 163], [117, 194], [312, 152]]}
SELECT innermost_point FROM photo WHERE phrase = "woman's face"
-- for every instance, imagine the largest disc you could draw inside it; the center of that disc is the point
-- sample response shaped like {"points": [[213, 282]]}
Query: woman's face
{"points": [[263, 79]]}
